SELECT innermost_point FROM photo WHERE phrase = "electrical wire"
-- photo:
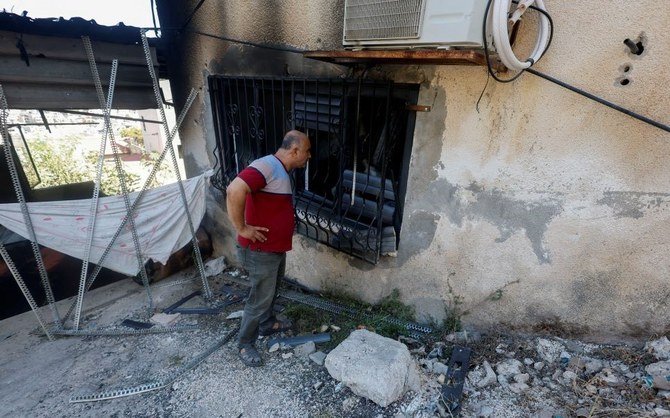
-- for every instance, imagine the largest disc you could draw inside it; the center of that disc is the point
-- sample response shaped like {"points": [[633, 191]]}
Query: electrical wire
{"points": [[238, 41], [611, 105], [563, 84], [197, 6], [501, 16], [486, 49], [153, 18], [488, 77]]}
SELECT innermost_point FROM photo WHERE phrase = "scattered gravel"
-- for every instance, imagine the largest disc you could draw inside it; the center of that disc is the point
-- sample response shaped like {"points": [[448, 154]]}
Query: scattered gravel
{"points": [[509, 375]]}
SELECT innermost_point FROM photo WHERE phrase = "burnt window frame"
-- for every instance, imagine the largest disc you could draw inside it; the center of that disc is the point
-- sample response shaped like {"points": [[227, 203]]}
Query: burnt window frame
{"points": [[252, 113]]}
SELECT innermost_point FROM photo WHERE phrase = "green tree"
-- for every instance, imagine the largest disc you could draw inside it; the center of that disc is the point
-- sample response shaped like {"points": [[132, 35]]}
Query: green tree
{"points": [[55, 163], [163, 172], [110, 182], [133, 132]]}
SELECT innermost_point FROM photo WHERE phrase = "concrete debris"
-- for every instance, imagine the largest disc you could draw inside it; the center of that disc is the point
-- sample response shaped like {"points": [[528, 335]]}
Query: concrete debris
{"points": [[583, 413], [439, 368], [215, 266], [549, 350], [509, 367], [610, 377], [235, 315], [518, 387], [521, 378], [164, 319], [660, 374], [489, 376], [593, 366], [304, 350], [372, 366], [463, 337], [437, 351], [659, 348], [318, 357], [546, 377]]}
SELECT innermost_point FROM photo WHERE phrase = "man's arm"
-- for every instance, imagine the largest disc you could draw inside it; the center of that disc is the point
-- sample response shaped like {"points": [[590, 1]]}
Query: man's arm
{"points": [[236, 198]]}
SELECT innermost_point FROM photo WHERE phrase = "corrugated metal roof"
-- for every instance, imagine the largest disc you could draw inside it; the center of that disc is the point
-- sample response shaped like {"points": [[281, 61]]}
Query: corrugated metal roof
{"points": [[43, 64]]}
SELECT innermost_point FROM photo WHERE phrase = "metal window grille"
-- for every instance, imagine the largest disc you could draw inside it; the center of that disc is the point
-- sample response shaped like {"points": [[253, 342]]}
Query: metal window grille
{"points": [[350, 194]]}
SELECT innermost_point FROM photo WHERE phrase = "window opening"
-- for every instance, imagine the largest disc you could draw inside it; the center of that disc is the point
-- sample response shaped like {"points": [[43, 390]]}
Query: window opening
{"points": [[350, 195]]}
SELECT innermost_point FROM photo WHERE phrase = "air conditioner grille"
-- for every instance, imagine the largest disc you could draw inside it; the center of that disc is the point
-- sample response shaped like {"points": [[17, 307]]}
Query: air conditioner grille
{"points": [[382, 19]]}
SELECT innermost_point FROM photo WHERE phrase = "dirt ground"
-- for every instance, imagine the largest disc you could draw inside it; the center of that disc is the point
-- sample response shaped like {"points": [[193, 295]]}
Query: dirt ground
{"points": [[39, 377]]}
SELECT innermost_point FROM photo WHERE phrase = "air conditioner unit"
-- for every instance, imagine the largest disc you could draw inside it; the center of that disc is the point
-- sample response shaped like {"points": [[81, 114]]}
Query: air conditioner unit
{"points": [[413, 23]]}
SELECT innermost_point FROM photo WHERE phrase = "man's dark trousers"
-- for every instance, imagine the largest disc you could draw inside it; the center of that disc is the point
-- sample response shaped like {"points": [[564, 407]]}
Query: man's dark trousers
{"points": [[265, 270]]}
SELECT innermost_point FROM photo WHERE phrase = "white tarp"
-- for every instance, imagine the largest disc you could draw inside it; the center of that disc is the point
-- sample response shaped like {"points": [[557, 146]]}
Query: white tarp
{"points": [[160, 219]]}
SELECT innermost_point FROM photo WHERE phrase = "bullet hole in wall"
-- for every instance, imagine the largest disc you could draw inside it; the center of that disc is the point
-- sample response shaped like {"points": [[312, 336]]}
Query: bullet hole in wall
{"points": [[635, 47]]}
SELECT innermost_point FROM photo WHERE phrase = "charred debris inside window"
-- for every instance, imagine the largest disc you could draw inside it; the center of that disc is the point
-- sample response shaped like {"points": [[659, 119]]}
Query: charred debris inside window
{"points": [[350, 196]]}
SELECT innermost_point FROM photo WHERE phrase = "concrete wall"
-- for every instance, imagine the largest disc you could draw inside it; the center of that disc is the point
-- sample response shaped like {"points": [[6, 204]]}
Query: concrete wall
{"points": [[542, 209]]}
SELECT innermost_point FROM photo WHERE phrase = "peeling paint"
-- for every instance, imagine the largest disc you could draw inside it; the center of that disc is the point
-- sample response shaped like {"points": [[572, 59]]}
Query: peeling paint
{"points": [[422, 226], [632, 204], [509, 215]]}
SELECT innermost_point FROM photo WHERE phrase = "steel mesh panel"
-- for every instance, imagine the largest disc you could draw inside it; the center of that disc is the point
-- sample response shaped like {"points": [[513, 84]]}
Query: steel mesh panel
{"points": [[382, 19]]}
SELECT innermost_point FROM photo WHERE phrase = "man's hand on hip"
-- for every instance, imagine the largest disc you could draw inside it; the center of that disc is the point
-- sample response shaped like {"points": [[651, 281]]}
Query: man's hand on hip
{"points": [[253, 233]]}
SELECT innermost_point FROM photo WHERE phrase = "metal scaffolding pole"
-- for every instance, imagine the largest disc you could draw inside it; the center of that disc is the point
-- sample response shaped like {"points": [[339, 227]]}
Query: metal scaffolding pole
{"points": [[117, 161], [207, 292], [96, 195], [4, 109]]}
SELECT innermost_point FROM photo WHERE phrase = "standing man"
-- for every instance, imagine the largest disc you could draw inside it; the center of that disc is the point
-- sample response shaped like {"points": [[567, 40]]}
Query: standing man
{"points": [[260, 206]]}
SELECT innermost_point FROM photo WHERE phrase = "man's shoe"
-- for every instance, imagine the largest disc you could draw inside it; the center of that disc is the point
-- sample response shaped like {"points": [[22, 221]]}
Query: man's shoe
{"points": [[273, 327]]}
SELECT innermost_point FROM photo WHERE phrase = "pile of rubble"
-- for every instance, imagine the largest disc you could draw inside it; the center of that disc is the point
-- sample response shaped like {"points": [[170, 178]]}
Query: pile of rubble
{"points": [[549, 377]]}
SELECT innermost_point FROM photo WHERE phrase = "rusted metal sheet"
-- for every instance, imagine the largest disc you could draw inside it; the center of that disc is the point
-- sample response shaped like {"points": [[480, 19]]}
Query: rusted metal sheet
{"points": [[402, 56]]}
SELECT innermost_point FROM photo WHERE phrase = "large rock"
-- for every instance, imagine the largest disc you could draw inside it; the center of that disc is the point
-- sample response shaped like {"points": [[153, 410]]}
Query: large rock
{"points": [[375, 367]]}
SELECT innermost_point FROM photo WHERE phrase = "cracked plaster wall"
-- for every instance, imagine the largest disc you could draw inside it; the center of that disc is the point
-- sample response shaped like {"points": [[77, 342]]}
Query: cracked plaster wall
{"points": [[542, 209]]}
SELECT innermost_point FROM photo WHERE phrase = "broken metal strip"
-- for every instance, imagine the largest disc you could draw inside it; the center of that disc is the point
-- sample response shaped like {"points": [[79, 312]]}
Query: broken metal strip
{"points": [[24, 289], [102, 332], [175, 283], [117, 162], [96, 188], [207, 292], [198, 311], [131, 323], [147, 182], [119, 393], [452, 390], [180, 302], [231, 299], [4, 109], [341, 309]]}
